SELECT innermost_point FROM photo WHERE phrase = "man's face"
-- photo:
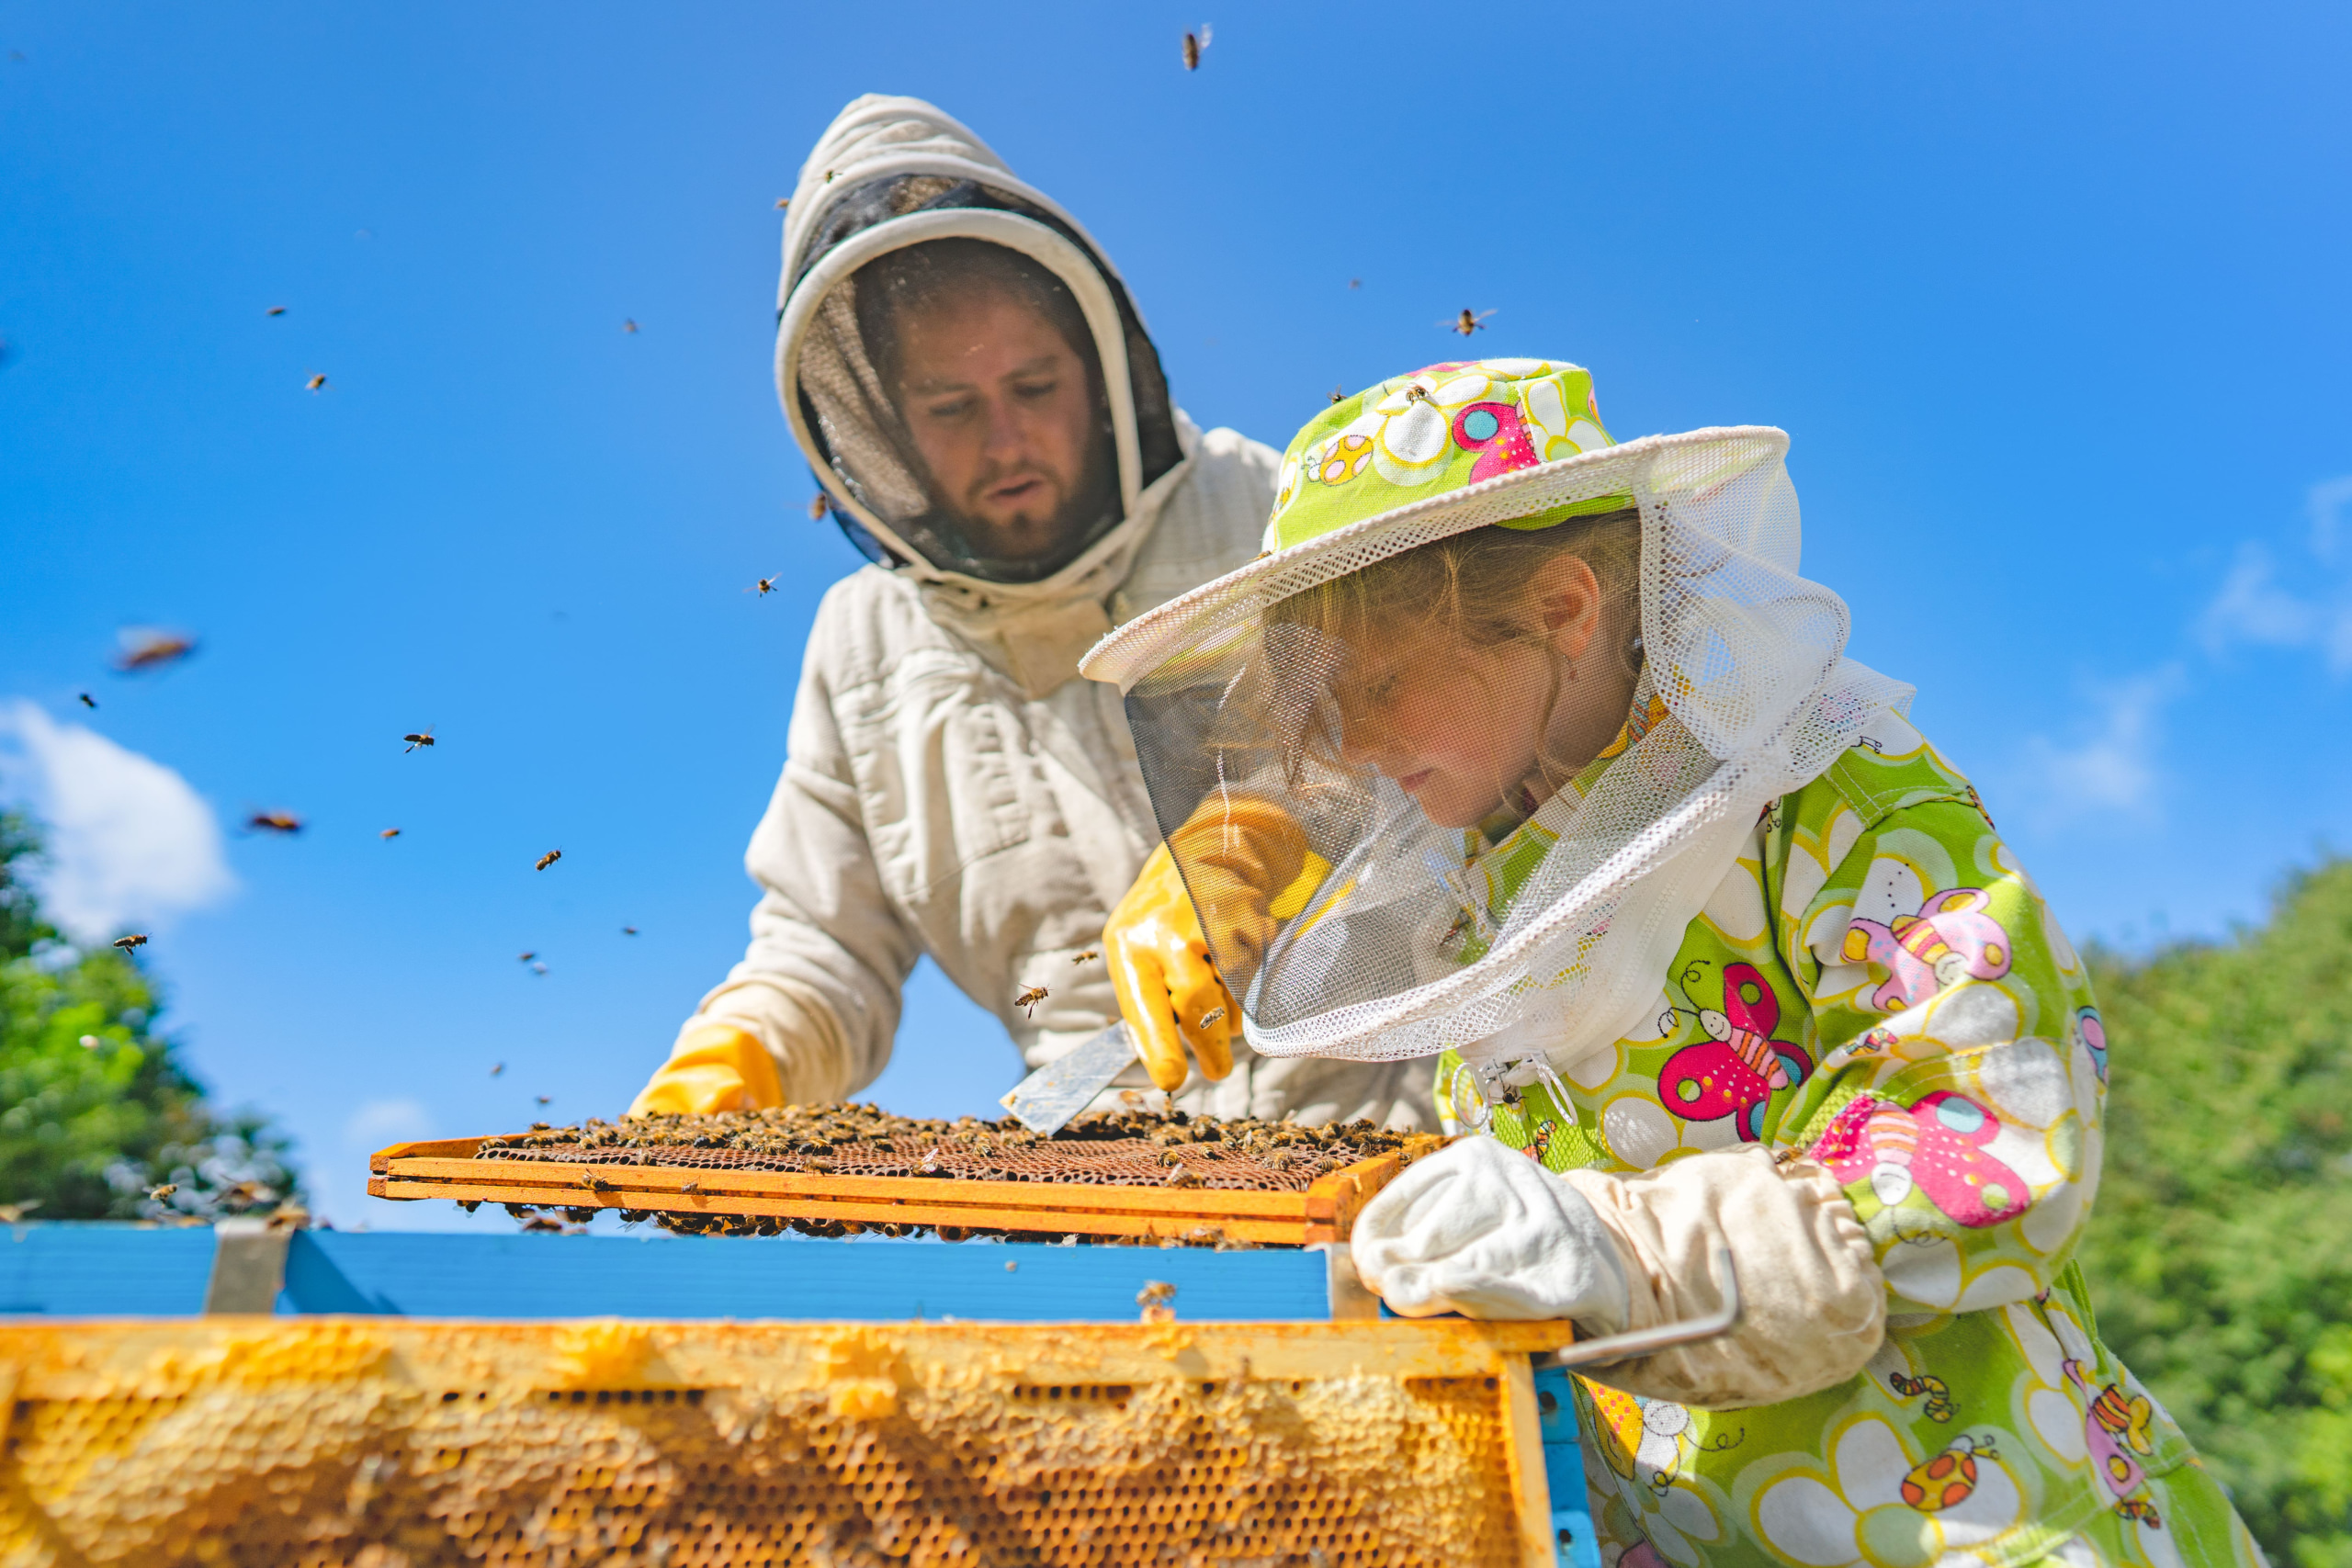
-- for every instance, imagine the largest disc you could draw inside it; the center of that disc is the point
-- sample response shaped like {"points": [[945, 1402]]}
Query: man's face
{"points": [[1002, 412]]}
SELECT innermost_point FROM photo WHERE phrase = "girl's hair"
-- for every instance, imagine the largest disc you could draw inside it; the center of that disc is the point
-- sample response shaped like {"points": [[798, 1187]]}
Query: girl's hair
{"points": [[1475, 582]]}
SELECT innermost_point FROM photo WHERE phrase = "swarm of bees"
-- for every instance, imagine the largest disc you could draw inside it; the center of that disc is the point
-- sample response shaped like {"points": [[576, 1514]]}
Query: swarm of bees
{"points": [[547, 860], [1194, 44], [273, 822], [136, 939], [1467, 322], [1028, 1000]]}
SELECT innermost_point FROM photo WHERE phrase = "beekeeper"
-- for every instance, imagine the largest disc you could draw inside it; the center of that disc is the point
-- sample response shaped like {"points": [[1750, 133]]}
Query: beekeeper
{"points": [[976, 392]]}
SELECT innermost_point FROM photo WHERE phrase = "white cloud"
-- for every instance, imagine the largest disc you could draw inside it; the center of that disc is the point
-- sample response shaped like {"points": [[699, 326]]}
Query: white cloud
{"points": [[382, 1121], [2255, 608], [2109, 772], [128, 840]]}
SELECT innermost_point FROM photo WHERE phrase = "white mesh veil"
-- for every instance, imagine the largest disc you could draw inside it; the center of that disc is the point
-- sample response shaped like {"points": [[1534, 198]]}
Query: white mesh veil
{"points": [[1406, 931]]}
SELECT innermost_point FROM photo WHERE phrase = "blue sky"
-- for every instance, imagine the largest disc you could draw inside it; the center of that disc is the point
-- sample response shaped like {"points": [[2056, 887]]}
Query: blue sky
{"points": [[2050, 299]]}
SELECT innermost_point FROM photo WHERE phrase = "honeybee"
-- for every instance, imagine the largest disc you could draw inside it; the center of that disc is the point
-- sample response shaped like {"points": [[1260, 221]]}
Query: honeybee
{"points": [[781, 202], [1467, 322], [629, 323], [421, 737], [1028, 1000], [1216, 1015], [1339, 395], [541, 1223], [1089, 956], [1154, 1298], [275, 311], [88, 701], [273, 822], [496, 1068], [628, 931], [1942, 1480], [819, 505], [694, 1187], [1938, 1405], [544, 1099], [524, 957], [14, 1214], [1194, 45], [316, 382], [136, 939], [159, 1193], [547, 860], [389, 833], [1355, 283], [145, 648], [764, 586]]}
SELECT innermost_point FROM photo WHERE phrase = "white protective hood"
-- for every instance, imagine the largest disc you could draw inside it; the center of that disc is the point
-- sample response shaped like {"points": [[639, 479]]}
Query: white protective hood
{"points": [[895, 172]]}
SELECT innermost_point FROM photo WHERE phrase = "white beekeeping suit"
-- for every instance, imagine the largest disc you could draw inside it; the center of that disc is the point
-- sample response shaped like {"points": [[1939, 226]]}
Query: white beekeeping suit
{"points": [[951, 786]]}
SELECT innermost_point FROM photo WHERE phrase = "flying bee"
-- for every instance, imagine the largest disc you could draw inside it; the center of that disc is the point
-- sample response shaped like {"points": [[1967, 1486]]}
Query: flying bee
{"points": [[136, 939], [1355, 283], [316, 382], [273, 822], [781, 202], [159, 1193], [547, 860], [819, 505], [1194, 45], [389, 833], [1938, 1405], [496, 1068], [1028, 1000], [628, 931], [88, 701], [275, 311], [14, 1214], [149, 648], [524, 957], [538, 968], [1154, 1298], [1339, 395], [544, 1099], [690, 1187], [1089, 956], [629, 324], [764, 586], [1468, 321], [422, 738]]}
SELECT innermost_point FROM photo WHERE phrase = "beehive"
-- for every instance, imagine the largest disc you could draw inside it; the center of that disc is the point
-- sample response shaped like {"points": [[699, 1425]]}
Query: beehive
{"points": [[832, 1170], [403, 1444]]}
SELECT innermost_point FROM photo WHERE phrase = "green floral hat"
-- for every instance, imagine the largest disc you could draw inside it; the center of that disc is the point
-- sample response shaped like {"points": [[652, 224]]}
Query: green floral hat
{"points": [[1442, 428]]}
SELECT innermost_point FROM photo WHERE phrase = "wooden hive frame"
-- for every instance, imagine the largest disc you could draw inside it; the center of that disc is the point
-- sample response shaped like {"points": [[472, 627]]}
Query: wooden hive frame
{"points": [[1325, 1212]]}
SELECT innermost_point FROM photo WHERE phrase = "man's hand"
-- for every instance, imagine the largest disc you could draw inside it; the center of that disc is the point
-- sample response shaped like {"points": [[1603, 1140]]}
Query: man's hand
{"points": [[715, 1067], [1244, 858]]}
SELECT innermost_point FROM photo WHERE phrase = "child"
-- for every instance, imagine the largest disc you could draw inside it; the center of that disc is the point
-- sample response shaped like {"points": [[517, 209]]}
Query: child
{"points": [[1534, 753]]}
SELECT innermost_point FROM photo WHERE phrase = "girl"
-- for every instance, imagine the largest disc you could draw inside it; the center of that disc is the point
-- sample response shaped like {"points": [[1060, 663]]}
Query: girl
{"points": [[1534, 753]]}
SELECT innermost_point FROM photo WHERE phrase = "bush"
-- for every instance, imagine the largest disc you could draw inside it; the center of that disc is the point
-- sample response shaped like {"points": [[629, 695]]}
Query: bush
{"points": [[96, 1109], [2221, 1250]]}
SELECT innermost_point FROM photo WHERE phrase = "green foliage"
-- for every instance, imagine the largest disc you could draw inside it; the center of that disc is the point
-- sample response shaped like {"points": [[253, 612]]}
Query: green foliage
{"points": [[2222, 1245], [95, 1107]]}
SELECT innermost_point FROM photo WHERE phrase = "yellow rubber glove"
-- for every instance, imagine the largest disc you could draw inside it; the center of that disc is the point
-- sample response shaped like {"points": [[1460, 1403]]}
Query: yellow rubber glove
{"points": [[714, 1067], [1245, 858]]}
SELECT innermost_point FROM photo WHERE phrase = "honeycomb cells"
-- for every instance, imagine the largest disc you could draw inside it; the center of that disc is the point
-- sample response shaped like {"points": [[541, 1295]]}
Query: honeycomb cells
{"points": [[818, 1445]]}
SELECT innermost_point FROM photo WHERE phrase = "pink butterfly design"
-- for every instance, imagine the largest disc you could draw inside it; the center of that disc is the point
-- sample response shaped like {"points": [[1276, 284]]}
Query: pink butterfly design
{"points": [[1937, 1146], [1735, 1071]]}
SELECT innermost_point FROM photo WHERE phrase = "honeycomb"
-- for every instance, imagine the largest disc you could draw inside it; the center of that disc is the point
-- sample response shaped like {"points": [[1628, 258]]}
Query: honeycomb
{"points": [[377, 1444], [842, 1170]]}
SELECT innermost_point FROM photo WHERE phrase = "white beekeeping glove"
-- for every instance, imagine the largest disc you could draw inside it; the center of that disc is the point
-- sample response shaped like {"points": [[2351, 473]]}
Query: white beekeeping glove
{"points": [[1480, 1230]]}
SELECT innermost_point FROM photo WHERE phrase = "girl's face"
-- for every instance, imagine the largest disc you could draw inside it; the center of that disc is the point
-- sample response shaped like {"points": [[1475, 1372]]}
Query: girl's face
{"points": [[1464, 728]]}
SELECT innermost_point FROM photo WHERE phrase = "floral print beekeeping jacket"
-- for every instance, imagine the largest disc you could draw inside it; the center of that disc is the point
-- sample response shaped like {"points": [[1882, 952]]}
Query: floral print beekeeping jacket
{"points": [[1879, 986]]}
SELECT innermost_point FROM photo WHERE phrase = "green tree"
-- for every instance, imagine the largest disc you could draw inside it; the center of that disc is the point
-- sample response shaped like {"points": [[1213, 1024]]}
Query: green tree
{"points": [[2222, 1247], [96, 1109]]}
